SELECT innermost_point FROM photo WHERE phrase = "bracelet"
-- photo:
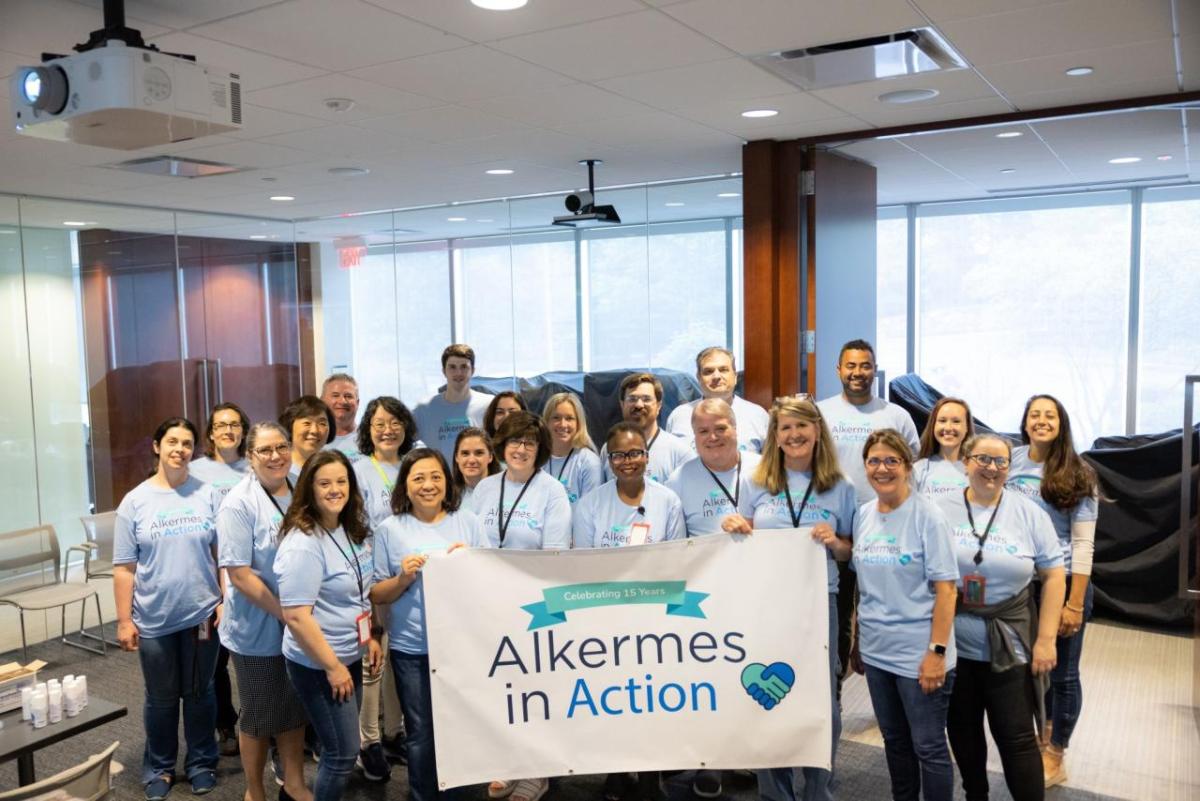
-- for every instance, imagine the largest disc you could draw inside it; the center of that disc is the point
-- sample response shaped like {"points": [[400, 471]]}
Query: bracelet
{"points": [[1072, 608]]}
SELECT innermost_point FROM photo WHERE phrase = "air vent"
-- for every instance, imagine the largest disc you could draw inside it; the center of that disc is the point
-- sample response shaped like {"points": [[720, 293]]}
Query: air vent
{"points": [[235, 101], [175, 167], [862, 60]]}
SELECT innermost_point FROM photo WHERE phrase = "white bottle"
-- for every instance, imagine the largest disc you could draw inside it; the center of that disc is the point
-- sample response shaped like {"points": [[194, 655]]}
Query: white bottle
{"points": [[26, 698], [70, 697], [54, 698], [39, 707], [83, 692]]}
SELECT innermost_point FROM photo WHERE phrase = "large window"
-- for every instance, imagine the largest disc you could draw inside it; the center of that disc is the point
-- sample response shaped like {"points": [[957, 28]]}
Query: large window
{"points": [[891, 291]]}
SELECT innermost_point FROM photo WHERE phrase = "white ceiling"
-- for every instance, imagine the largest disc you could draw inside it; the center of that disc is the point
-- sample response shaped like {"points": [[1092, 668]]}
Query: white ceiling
{"points": [[445, 90]]}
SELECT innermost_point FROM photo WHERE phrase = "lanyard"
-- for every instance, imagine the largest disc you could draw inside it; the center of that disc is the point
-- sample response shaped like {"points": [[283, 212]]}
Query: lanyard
{"points": [[737, 485], [271, 497], [502, 521], [987, 530], [803, 502], [653, 440], [563, 468], [386, 484], [362, 596]]}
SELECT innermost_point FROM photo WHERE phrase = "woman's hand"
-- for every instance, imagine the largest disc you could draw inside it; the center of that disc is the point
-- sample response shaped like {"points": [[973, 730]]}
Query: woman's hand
{"points": [[856, 663], [218, 614], [374, 655], [1045, 656], [932, 673], [128, 635], [736, 524], [412, 564], [340, 683], [1070, 622], [456, 546], [824, 534]]}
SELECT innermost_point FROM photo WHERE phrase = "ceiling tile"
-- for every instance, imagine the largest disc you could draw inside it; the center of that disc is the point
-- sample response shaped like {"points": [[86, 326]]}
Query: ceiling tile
{"points": [[616, 46], [469, 73], [444, 124], [952, 86], [795, 109], [650, 128], [942, 11], [256, 69], [730, 79], [307, 97], [761, 26], [181, 13], [888, 116], [337, 140], [1146, 87], [301, 30], [578, 102], [480, 25], [1058, 28], [250, 154]]}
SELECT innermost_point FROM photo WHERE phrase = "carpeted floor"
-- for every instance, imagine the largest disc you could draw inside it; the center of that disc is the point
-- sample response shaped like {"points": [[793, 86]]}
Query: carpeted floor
{"points": [[861, 772]]}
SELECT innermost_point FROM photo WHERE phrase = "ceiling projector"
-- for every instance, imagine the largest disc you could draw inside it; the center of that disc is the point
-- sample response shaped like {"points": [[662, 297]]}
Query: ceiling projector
{"points": [[585, 213], [118, 92]]}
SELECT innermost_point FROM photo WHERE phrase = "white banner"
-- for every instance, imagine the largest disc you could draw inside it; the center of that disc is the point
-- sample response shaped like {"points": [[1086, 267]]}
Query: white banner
{"points": [[708, 652]]}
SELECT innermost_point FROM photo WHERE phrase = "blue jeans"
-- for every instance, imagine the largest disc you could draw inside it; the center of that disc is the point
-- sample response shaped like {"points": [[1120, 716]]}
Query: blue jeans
{"points": [[178, 667], [412, 685], [914, 735], [1064, 699], [336, 725], [779, 784]]}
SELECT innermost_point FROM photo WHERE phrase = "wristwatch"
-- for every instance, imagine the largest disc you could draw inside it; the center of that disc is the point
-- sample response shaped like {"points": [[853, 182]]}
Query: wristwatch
{"points": [[937, 648]]}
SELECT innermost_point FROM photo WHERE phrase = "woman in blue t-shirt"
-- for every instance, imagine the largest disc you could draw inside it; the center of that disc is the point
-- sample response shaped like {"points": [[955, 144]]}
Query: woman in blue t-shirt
{"points": [[325, 566], [474, 460], [1047, 470], [427, 521], [904, 558], [1004, 644], [573, 460], [310, 426], [252, 624], [939, 468], [168, 602]]}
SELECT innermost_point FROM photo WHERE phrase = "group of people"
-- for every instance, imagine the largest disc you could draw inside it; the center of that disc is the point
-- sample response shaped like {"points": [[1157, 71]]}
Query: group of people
{"points": [[957, 574]]}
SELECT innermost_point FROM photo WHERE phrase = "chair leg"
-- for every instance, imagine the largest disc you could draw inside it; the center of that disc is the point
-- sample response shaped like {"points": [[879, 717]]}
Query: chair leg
{"points": [[80, 642], [83, 632], [24, 645]]}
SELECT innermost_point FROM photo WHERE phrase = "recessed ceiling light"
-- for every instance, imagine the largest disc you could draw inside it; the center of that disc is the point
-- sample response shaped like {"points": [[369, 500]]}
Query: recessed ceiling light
{"points": [[1165, 157], [1009, 134], [1125, 160], [456, 219], [258, 236], [348, 171], [282, 198], [729, 194], [1075, 72], [756, 113], [78, 223], [499, 5], [673, 204], [499, 171], [1007, 171], [908, 96]]}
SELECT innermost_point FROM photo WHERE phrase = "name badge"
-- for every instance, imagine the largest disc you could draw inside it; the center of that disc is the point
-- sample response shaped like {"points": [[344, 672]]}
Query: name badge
{"points": [[974, 591], [639, 533], [363, 622]]}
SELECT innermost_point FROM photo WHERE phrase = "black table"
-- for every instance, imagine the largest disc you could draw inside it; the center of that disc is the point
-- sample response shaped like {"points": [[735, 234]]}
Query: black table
{"points": [[18, 738]]}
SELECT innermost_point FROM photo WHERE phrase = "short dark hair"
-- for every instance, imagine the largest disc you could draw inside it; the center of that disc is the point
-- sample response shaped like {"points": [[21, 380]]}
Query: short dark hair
{"points": [[625, 428], [210, 449], [307, 406], [713, 350], [459, 350], [167, 425], [519, 425], [634, 379], [396, 408], [489, 424], [856, 344], [493, 467], [303, 514], [402, 504]]}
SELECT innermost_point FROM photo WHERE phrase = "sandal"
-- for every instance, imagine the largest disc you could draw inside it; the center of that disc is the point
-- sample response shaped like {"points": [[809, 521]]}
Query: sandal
{"points": [[500, 788], [529, 789]]}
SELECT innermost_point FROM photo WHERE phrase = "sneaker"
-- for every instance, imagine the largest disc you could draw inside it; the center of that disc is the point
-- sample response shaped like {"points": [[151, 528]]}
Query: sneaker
{"points": [[374, 764], [394, 749], [276, 766], [707, 784], [227, 742], [204, 782], [157, 790], [1054, 766]]}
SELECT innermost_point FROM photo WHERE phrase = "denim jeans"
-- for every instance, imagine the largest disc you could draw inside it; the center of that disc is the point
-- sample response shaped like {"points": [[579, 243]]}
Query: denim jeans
{"points": [[416, 703], [1064, 699], [1007, 699], [779, 784], [914, 735], [178, 667], [336, 725]]}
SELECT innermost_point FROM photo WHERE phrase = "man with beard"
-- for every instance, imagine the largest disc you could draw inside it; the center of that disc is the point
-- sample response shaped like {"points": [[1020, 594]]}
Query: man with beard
{"points": [[641, 400], [716, 373]]}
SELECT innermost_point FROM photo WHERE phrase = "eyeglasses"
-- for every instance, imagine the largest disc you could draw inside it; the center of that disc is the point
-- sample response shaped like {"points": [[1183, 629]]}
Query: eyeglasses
{"points": [[891, 462], [527, 444], [394, 425], [644, 400], [227, 427], [999, 462], [266, 452], [617, 457]]}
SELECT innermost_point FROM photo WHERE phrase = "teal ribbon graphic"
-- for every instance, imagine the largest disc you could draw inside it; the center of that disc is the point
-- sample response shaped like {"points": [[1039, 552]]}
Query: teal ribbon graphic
{"points": [[557, 601]]}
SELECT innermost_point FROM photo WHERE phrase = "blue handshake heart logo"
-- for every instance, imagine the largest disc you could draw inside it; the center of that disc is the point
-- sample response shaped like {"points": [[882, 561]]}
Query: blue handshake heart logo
{"points": [[768, 684]]}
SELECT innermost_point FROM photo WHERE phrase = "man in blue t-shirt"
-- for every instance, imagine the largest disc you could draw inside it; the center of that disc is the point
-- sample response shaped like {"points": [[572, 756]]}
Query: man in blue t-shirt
{"points": [[440, 418], [340, 393]]}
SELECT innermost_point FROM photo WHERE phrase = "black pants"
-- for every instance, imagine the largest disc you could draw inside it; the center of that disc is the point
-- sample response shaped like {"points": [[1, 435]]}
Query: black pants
{"points": [[1008, 701], [846, 603], [227, 716]]}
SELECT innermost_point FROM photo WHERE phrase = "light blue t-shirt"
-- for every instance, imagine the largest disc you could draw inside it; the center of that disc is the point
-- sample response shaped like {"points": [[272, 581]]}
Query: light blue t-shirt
{"points": [[312, 571], [835, 506], [705, 503], [897, 556], [405, 535], [247, 525], [171, 535], [667, 452], [1019, 540], [222, 477], [347, 444], [603, 520], [935, 476], [850, 426], [438, 421], [1025, 477], [579, 472], [541, 521], [752, 422], [376, 489]]}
